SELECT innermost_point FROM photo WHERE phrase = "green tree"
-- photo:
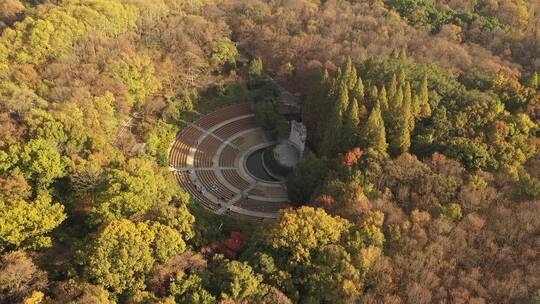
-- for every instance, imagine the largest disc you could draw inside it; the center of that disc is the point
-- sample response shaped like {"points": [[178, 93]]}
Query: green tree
{"points": [[350, 126], [267, 115], [39, 161], [189, 288], [309, 174], [315, 109], [334, 126], [473, 154], [407, 109], [237, 281], [224, 52], [121, 256], [159, 141], [343, 98], [256, 68], [358, 90], [333, 278], [138, 74], [402, 140], [301, 231], [392, 89], [383, 101], [167, 242], [373, 134], [133, 190], [177, 217], [425, 108], [373, 95], [347, 72], [25, 223]]}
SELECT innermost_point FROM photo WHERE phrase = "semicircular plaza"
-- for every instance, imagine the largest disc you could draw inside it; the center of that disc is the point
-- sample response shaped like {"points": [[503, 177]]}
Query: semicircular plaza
{"points": [[209, 160]]}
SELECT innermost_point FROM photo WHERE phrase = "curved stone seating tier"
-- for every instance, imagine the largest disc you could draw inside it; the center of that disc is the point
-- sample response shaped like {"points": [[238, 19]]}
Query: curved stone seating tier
{"points": [[186, 183], [223, 114], [252, 204], [226, 159], [235, 127], [265, 191], [182, 146], [257, 192], [235, 179], [211, 183], [206, 151], [208, 161]]}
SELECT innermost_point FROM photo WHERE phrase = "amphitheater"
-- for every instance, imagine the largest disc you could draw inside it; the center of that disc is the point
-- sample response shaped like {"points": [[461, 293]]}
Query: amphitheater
{"points": [[209, 160]]}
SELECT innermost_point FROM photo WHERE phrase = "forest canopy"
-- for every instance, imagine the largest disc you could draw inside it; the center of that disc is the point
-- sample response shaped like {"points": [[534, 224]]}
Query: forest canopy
{"points": [[420, 184]]}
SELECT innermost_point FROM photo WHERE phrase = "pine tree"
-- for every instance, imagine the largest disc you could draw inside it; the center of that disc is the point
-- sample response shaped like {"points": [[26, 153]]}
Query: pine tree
{"points": [[393, 115], [373, 94], [343, 98], [393, 87], [394, 105], [316, 108], [373, 135], [350, 126], [383, 101], [402, 78], [416, 106], [256, 68], [425, 108], [408, 106], [362, 115], [402, 141], [335, 82], [333, 128], [353, 78], [358, 90]]}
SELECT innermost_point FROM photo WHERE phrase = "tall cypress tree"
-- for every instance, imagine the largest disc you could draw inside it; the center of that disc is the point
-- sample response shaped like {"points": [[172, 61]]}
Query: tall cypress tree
{"points": [[316, 108], [425, 108], [393, 87], [343, 97], [335, 82], [392, 116], [353, 78], [350, 126], [358, 90], [394, 106], [333, 128], [373, 134], [403, 123], [383, 101], [402, 140], [416, 106], [373, 95], [408, 106], [362, 115], [402, 78]]}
